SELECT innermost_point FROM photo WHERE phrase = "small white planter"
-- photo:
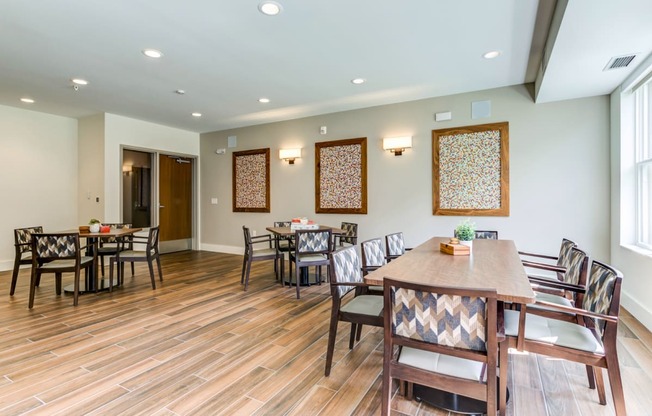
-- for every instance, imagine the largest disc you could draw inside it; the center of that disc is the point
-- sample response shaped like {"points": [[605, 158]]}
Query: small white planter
{"points": [[94, 228], [467, 243]]}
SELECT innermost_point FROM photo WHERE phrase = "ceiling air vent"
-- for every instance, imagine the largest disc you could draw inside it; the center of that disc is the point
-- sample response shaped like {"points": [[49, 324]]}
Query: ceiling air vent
{"points": [[619, 62]]}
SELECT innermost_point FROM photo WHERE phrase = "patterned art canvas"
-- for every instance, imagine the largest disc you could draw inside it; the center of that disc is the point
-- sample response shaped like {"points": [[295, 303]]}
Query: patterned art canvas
{"points": [[251, 181], [341, 176], [471, 170]]}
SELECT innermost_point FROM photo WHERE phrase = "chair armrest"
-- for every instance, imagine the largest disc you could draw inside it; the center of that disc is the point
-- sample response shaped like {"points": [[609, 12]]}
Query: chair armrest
{"points": [[542, 256], [543, 266], [556, 284], [22, 244], [577, 311]]}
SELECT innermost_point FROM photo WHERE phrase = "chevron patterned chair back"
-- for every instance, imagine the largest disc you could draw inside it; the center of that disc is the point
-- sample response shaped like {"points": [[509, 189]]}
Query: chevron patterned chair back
{"points": [[350, 235], [395, 245], [23, 246], [447, 339], [312, 248]]}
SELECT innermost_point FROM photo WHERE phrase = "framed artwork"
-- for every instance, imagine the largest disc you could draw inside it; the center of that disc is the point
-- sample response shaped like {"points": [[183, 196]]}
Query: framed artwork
{"points": [[341, 176], [251, 181], [470, 173]]}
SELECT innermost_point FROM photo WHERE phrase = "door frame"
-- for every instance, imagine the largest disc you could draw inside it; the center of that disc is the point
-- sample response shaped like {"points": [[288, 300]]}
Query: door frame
{"points": [[156, 153]]}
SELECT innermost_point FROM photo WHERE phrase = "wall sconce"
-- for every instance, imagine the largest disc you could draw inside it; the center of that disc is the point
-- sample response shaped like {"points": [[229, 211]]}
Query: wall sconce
{"points": [[397, 145], [127, 169], [289, 155]]}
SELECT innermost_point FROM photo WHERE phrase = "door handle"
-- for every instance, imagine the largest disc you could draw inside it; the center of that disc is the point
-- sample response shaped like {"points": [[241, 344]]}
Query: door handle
{"points": [[161, 206]]}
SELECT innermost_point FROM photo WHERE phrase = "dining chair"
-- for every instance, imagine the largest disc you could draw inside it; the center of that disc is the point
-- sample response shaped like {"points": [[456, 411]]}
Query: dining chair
{"points": [[373, 257], [567, 292], [109, 246], [395, 245], [283, 244], [592, 343], [57, 253], [482, 234], [561, 260], [312, 248], [350, 235], [444, 338], [252, 254], [23, 248], [346, 277], [150, 254]]}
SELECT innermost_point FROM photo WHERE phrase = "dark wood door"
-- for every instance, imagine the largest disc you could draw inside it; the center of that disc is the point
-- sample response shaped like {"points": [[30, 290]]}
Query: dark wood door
{"points": [[175, 197]]}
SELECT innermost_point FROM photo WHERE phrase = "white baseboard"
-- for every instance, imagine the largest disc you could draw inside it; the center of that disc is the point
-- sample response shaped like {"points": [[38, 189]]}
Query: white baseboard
{"points": [[638, 309], [218, 248], [7, 265]]}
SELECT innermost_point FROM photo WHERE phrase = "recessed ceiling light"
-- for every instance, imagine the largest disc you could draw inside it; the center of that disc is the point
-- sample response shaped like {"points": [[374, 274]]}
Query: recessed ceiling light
{"points": [[491, 55], [263, 100], [358, 81], [180, 92], [79, 81], [270, 8], [196, 114], [152, 53], [27, 100]]}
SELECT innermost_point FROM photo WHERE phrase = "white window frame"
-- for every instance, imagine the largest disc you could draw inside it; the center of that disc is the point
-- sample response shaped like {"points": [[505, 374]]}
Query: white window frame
{"points": [[643, 163]]}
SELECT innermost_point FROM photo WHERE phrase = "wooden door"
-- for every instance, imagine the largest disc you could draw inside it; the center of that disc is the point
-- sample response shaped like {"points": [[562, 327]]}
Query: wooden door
{"points": [[175, 197]]}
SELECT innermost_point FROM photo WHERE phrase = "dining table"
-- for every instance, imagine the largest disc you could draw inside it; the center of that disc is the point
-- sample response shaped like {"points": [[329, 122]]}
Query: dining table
{"points": [[90, 283], [491, 264]]}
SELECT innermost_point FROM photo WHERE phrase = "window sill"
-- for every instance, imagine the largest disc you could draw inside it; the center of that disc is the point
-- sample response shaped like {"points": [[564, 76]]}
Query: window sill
{"points": [[637, 249]]}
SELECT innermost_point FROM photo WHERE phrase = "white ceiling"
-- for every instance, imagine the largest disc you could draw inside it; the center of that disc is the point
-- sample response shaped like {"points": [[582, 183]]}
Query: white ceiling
{"points": [[225, 54]]}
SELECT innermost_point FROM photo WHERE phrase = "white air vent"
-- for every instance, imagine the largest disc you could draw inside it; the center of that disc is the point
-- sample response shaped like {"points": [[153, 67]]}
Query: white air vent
{"points": [[619, 62]]}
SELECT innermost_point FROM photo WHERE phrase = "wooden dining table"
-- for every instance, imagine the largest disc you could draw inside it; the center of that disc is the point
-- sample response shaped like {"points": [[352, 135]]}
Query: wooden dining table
{"points": [[92, 246], [492, 264]]}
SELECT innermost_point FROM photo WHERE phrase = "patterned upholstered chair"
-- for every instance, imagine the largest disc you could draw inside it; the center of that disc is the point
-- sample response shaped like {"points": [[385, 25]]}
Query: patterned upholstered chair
{"points": [[567, 292], [543, 261], [265, 251], [150, 254], [373, 257], [57, 253], [312, 248], [283, 244], [345, 277], [592, 344], [23, 246], [109, 246], [395, 246], [447, 339], [350, 236]]}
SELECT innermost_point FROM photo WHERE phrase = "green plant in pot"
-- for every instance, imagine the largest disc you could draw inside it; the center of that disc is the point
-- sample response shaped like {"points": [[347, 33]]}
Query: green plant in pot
{"points": [[465, 232], [94, 225]]}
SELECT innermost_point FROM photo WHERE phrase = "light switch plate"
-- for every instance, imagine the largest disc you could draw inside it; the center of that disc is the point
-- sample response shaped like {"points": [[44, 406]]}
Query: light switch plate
{"points": [[447, 115], [214, 201]]}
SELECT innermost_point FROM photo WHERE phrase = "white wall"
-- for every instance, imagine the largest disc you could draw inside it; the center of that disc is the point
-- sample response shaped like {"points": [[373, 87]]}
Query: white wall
{"points": [[559, 176], [91, 168], [38, 167]]}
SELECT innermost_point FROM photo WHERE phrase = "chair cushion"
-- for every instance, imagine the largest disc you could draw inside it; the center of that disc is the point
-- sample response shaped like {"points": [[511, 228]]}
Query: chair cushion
{"points": [[364, 305], [553, 331], [441, 363], [65, 264], [312, 258], [376, 288], [548, 297], [26, 255], [133, 253], [263, 252]]}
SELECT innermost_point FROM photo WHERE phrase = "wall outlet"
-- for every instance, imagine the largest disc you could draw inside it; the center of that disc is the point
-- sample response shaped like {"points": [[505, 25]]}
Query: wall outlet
{"points": [[214, 201]]}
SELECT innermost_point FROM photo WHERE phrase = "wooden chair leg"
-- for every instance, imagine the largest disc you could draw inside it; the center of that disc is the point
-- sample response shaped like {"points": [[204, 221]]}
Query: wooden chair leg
{"points": [[58, 279], [590, 377], [32, 288], [102, 265], [353, 332], [244, 266], [502, 377], [14, 278], [616, 383], [75, 300], [358, 332], [151, 273], [246, 276], [297, 280], [599, 381], [158, 266], [332, 335]]}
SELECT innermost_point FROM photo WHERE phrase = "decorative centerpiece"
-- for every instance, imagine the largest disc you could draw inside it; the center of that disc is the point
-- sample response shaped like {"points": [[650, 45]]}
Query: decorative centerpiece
{"points": [[94, 225], [465, 232], [303, 223]]}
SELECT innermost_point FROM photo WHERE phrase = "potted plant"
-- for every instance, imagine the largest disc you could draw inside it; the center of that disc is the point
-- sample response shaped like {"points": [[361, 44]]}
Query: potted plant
{"points": [[94, 225], [465, 232]]}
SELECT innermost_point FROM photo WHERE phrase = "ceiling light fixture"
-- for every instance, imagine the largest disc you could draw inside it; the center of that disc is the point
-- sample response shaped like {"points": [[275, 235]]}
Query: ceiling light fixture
{"points": [[263, 100], [491, 55], [180, 92], [358, 81], [152, 53], [270, 8], [79, 81], [27, 100], [196, 114]]}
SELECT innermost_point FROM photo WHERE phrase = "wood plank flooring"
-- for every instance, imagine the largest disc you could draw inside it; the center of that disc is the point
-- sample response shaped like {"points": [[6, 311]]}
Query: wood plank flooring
{"points": [[200, 345]]}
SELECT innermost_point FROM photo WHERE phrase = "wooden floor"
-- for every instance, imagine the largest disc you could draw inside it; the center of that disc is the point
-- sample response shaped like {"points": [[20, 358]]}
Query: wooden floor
{"points": [[199, 345]]}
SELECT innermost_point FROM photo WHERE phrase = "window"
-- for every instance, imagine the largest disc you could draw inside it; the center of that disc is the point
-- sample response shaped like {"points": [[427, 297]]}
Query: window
{"points": [[643, 134]]}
